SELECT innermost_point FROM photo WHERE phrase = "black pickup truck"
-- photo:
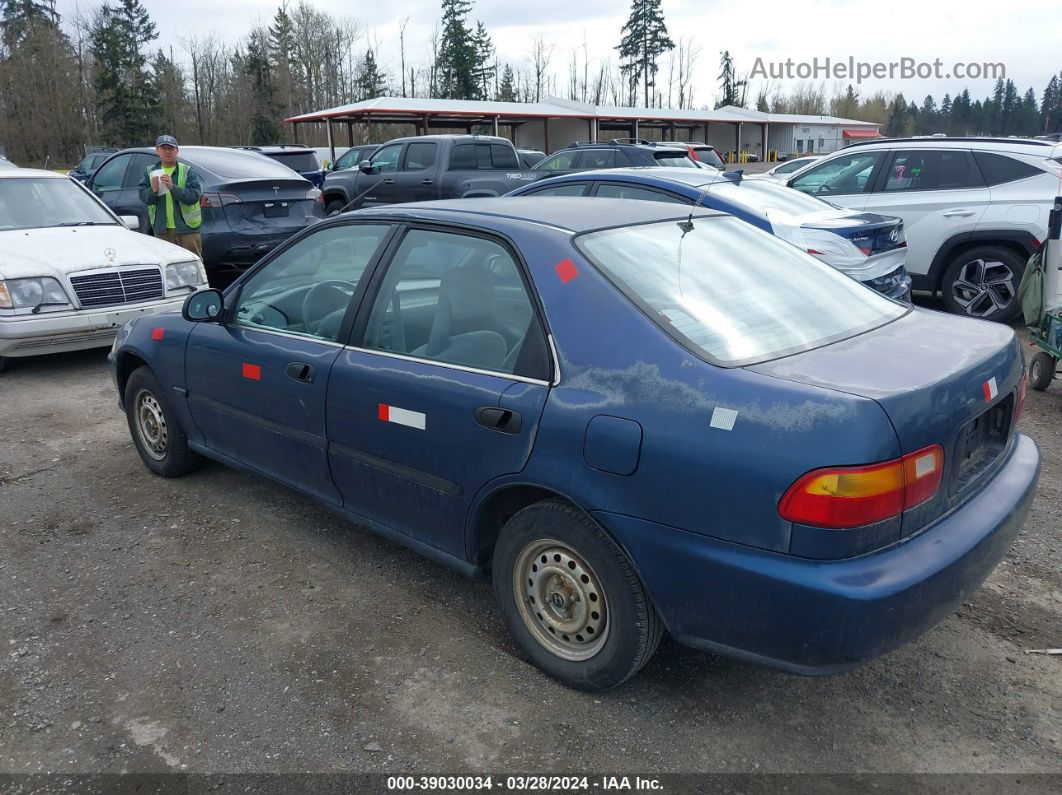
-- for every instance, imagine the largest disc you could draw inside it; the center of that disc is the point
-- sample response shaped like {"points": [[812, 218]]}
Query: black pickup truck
{"points": [[426, 167]]}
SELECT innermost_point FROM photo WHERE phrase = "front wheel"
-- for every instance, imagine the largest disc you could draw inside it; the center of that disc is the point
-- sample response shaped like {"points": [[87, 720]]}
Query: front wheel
{"points": [[154, 426], [334, 207], [982, 282], [1042, 370], [572, 599]]}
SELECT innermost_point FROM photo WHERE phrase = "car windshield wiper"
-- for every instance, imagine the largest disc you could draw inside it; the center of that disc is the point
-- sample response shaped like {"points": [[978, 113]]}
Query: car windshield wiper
{"points": [[81, 223]]}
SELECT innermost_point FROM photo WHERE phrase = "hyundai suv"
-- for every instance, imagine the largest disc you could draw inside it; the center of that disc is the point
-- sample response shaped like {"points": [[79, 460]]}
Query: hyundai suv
{"points": [[617, 153], [974, 209]]}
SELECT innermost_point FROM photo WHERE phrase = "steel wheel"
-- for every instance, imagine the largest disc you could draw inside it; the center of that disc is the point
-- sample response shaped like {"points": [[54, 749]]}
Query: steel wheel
{"points": [[985, 287], [151, 425], [560, 599], [1042, 370]]}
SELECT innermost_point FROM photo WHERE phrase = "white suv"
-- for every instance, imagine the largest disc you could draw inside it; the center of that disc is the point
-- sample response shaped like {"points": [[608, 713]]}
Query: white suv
{"points": [[974, 209]]}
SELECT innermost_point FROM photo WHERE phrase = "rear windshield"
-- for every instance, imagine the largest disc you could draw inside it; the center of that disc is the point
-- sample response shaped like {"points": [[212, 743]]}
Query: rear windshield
{"points": [[709, 156], [732, 293], [674, 160], [763, 195], [236, 164], [297, 161]]}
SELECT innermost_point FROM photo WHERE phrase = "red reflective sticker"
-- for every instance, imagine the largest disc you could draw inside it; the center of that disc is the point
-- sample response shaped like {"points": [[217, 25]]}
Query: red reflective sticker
{"points": [[158, 333], [252, 371], [382, 412], [566, 271]]}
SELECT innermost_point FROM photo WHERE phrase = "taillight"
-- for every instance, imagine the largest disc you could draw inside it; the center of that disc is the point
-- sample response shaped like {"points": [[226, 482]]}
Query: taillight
{"points": [[315, 194], [219, 199], [816, 252], [844, 497], [866, 251]]}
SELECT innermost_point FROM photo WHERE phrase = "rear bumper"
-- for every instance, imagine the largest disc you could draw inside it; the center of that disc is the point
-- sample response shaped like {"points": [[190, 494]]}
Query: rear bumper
{"points": [[821, 617], [58, 332]]}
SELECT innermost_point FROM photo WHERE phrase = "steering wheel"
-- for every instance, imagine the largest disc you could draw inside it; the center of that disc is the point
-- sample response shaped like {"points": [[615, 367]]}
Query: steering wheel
{"points": [[322, 301]]}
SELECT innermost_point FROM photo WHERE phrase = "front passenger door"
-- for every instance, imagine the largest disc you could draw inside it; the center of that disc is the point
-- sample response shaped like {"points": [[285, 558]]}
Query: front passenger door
{"points": [[379, 185], [256, 383]]}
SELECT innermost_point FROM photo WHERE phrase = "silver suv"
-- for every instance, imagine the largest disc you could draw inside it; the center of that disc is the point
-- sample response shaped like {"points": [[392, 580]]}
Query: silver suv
{"points": [[974, 209]]}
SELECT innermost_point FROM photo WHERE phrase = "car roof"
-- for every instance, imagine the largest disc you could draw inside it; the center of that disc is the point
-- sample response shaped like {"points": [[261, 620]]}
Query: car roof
{"points": [[560, 212], [1030, 146], [657, 146], [691, 177], [455, 137]]}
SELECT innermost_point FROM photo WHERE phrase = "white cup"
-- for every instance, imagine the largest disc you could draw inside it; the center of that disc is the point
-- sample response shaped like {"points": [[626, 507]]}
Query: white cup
{"points": [[160, 173]]}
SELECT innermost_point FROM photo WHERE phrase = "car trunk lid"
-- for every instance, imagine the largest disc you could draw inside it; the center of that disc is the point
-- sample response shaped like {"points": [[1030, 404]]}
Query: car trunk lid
{"points": [[940, 379], [269, 204]]}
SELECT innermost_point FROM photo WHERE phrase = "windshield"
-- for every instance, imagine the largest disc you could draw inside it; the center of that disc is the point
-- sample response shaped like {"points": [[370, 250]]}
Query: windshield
{"points": [[29, 203], [297, 161], [709, 156], [764, 195], [733, 293]]}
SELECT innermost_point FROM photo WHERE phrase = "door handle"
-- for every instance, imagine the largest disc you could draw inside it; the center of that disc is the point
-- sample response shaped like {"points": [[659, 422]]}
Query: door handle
{"points": [[300, 371], [498, 419], [960, 213], [389, 182], [427, 182]]}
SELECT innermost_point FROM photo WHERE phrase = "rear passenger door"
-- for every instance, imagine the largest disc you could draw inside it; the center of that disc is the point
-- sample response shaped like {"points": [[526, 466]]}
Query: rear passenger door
{"points": [[939, 193], [415, 180], [442, 386]]}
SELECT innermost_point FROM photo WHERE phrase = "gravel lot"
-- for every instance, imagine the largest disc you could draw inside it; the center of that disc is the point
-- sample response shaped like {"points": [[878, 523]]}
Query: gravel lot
{"points": [[219, 623]]}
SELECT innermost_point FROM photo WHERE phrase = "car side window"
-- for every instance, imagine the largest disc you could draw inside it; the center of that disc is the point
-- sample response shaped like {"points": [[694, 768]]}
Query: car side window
{"points": [[458, 299], [786, 168], [348, 159], [141, 163], [567, 189], [386, 159], [307, 288], [503, 156], [420, 156], [111, 174], [463, 157], [932, 169], [840, 175], [598, 158], [558, 162], [609, 190], [998, 169]]}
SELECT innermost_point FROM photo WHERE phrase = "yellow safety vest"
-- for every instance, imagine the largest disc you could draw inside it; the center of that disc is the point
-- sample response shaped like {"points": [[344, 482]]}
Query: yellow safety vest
{"points": [[191, 213]]}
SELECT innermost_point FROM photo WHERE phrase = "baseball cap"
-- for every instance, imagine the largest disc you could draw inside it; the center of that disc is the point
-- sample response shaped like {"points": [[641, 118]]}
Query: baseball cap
{"points": [[165, 140]]}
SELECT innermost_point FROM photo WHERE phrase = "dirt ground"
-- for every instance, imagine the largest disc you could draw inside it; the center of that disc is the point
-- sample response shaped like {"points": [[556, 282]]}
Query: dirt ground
{"points": [[219, 623]]}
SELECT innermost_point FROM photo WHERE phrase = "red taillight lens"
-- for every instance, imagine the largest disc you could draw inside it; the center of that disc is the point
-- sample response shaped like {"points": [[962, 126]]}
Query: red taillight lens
{"points": [[844, 497], [866, 251], [219, 199]]}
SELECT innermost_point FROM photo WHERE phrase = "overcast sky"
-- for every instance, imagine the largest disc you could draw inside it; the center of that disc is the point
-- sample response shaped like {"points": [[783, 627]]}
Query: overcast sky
{"points": [[1024, 35]]}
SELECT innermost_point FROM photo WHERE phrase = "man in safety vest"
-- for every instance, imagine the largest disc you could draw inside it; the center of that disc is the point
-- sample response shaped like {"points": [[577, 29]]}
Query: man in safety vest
{"points": [[172, 191]]}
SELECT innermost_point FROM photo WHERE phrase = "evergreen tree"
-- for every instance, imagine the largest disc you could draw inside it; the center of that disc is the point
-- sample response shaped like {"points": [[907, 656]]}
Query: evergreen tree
{"points": [[124, 88], [644, 40], [897, 126], [847, 107], [371, 82], [1009, 108], [18, 16], [287, 70], [1027, 121], [507, 89], [928, 117], [1051, 106], [458, 58], [484, 68], [944, 116], [257, 67], [733, 89]]}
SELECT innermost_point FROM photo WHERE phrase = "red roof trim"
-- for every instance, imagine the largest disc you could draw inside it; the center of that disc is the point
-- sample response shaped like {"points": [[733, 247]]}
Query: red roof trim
{"points": [[860, 134]]}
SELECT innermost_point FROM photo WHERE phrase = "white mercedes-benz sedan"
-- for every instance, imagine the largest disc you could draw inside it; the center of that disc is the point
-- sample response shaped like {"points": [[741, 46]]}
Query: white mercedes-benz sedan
{"points": [[72, 272]]}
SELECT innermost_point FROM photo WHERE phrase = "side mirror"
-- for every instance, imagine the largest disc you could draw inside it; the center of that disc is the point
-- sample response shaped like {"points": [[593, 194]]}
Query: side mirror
{"points": [[365, 167], [131, 222], [203, 306]]}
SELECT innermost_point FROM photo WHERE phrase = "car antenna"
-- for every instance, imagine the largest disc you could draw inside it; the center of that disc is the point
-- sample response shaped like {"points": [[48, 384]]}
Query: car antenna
{"points": [[687, 225], [375, 185]]}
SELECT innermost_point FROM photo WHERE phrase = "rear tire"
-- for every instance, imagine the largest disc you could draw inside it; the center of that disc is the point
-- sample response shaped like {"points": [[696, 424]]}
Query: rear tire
{"points": [[571, 598], [156, 431], [1042, 371], [982, 282]]}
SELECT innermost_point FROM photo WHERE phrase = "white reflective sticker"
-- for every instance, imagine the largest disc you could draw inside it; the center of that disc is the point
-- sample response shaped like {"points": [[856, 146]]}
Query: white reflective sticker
{"points": [[723, 419]]}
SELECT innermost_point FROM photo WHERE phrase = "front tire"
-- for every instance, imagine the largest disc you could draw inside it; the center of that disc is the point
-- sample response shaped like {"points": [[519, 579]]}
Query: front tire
{"points": [[156, 431], [334, 207], [571, 598], [982, 282], [1042, 370]]}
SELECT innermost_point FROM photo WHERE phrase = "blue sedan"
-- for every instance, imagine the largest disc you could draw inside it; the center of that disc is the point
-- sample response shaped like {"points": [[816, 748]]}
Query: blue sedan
{"points": [[627, 413], [870, 248]]}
